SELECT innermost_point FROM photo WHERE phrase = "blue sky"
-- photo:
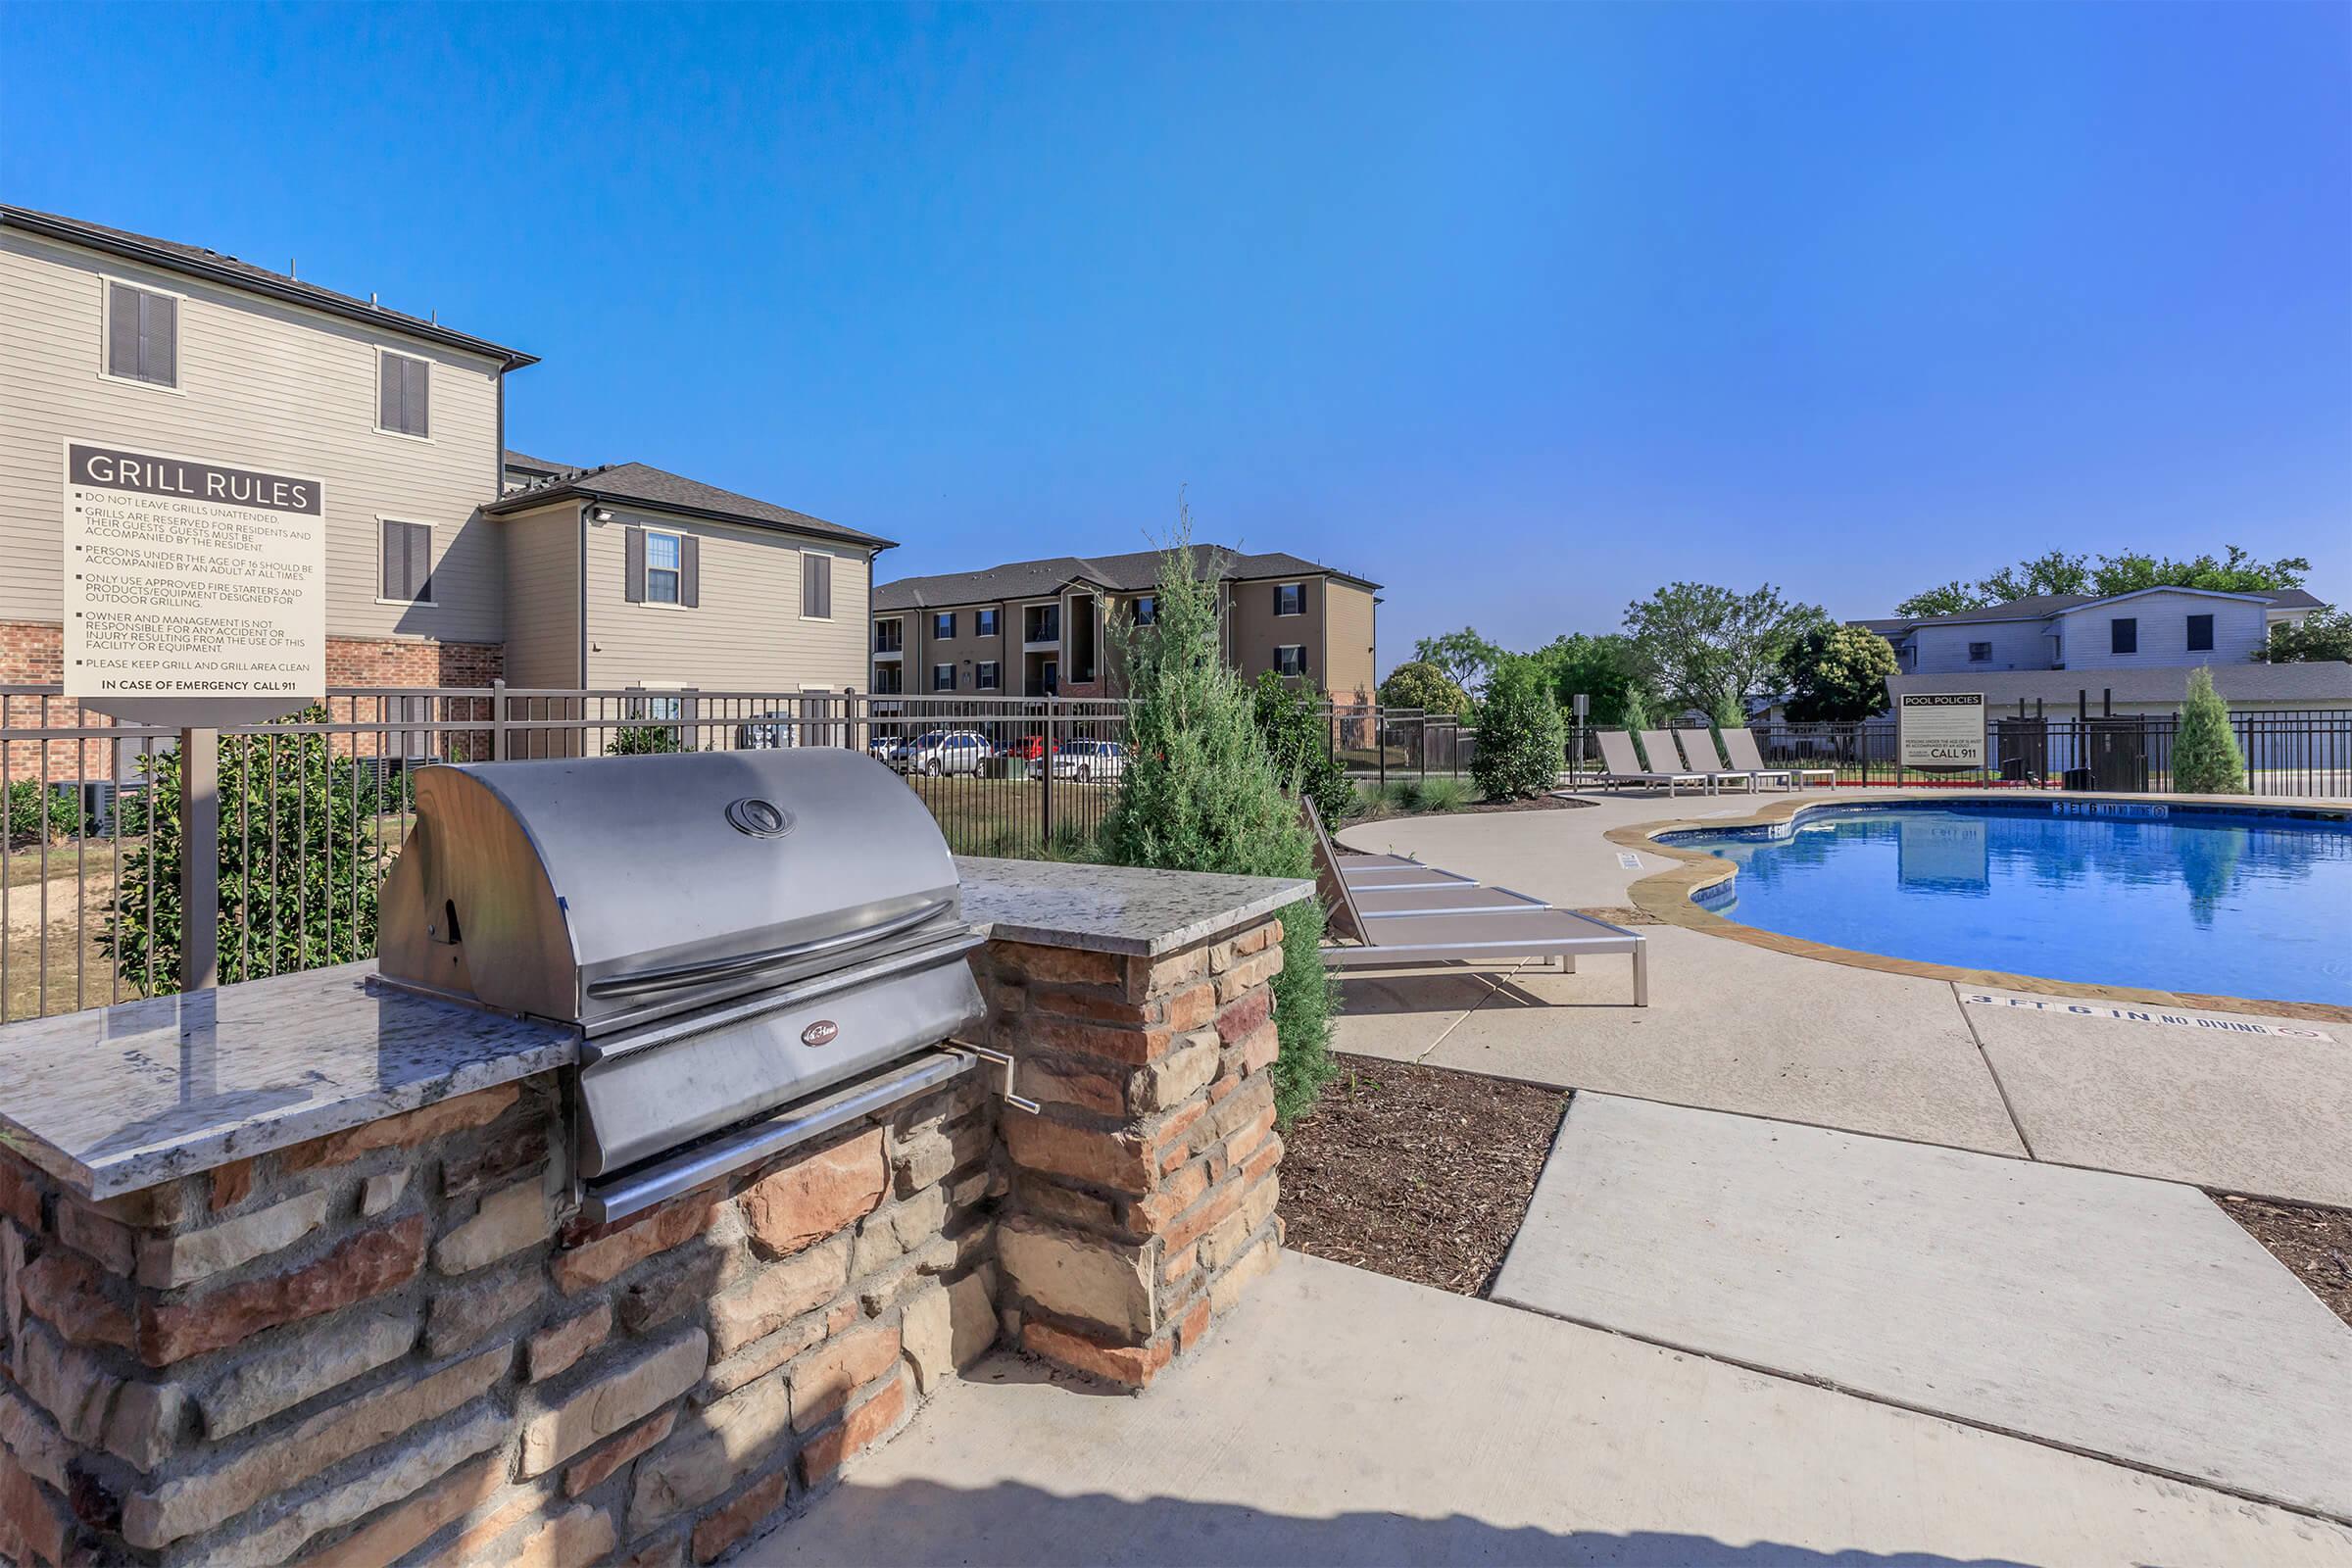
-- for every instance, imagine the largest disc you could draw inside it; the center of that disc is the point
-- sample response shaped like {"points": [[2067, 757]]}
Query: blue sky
{"points": [[1520, 311]]}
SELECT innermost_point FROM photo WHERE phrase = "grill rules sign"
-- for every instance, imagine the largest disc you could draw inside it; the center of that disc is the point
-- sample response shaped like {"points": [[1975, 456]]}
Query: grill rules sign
{"points": [[195, 590], [1942, 729]]}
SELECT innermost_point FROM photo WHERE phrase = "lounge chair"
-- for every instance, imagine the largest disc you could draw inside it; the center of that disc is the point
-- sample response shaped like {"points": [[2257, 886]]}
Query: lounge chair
{"points": [[1460, 924], [1742, 745], [1698, 754], [1619, 765]]}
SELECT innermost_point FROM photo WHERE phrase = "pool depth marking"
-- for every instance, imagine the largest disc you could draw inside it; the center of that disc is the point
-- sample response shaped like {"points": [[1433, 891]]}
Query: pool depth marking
{"points": [[1630, 860], [2143, 810], [2177, 1020]]}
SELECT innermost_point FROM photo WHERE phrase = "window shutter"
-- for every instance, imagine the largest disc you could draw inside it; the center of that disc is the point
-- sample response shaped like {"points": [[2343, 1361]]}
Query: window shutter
{"points": [[416, 388], [387, 391], [121, 330], [396, 569], [634, 590], [690, 571], [817, 586], [420, 561], [159, 339]]}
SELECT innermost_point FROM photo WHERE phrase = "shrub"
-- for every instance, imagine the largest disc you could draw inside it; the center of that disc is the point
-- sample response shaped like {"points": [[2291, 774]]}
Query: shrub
{"points": [[1637, 719], [299, 869], [1444, 794], [1522, 744], [644, 740], [2206, 759], [1200, 794], [37, 815], [1299, 744]]}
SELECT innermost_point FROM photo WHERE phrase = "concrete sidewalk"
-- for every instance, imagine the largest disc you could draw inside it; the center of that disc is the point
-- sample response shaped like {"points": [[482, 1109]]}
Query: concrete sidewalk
{"points": [[1341, 1417], [2110, 1314]]}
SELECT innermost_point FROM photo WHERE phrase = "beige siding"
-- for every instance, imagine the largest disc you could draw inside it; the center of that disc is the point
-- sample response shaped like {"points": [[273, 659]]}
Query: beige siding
{"points": [[1257, 631], [1349, 637], [747, 634], [543, 596], [262, 384]]}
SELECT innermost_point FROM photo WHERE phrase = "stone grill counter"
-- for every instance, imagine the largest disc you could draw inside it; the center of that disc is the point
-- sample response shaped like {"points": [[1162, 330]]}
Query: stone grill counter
{"points": [[288, 1271]]}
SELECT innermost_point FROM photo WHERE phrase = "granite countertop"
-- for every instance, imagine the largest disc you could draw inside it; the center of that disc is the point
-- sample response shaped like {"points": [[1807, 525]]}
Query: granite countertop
{"points": [[113, 1099], [1115, 909]]}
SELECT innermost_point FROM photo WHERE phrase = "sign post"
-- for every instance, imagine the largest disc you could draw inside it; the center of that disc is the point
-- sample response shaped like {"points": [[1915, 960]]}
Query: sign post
{"points": [[1940, 731], [195, 597]]}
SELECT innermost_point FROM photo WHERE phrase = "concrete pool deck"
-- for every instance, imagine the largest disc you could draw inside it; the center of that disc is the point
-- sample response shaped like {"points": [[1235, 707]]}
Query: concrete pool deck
{"points": [[1741, 1026], [2111, 1315]]}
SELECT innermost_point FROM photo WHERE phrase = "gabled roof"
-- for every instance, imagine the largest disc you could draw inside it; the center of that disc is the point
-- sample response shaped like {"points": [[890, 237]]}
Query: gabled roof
{"points": [[196, 261], [639, 484], [524, 462], [1132, 572], [2042, 607]]}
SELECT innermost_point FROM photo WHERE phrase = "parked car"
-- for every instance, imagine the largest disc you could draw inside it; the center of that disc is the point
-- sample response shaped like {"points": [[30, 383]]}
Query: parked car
{"points": [[952, 750], [1030, 748], [1090, 760]]}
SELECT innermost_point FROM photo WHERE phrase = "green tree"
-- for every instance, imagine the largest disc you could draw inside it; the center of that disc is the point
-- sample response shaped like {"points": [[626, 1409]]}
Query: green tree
{"points": [[1201, 793], [2206, 759], [1637, 719], [2323, 636], [299, 861], [1607, 668], [2235, 571], [1522, 743], [1461, 656], [1417, 683], [1699, 639], [1298, 740], [1836, 674]]}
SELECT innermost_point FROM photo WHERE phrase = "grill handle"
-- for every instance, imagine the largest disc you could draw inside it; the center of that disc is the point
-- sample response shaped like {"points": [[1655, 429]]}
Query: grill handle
{"points": [[695, 974]]}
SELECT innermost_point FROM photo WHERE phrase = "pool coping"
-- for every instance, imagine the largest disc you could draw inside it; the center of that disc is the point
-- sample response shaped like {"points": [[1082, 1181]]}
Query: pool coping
{"points": [[1666, 897]]}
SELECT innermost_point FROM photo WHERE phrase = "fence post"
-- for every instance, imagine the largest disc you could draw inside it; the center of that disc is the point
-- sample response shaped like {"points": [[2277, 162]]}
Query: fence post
{"points": [[199, 859], [499, 743], [1046, 792]]}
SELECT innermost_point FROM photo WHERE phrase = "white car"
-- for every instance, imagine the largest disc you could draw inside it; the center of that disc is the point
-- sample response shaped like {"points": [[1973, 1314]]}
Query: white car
{"points": [[1090, 760], [952, 750]]}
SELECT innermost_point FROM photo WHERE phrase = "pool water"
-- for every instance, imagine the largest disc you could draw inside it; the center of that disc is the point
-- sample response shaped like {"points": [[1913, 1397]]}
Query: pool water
{"points": [[2237, 902]]}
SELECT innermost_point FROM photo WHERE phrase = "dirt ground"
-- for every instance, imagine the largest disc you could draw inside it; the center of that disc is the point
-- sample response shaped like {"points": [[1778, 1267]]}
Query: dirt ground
{"points": [[1416, 1172]]}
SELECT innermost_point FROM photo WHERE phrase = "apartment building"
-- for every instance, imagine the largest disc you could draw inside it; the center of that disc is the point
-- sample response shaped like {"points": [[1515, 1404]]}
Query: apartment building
{"points": [[451, 561], [2129, 651], [1044, 629]]}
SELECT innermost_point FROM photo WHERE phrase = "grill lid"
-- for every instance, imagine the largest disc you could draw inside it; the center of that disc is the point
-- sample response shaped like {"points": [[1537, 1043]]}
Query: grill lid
{"points": [[608, 892]]}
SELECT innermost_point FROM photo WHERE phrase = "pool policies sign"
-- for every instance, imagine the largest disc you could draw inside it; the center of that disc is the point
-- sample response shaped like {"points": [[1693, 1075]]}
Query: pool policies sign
{"points": [[1941, 729]]}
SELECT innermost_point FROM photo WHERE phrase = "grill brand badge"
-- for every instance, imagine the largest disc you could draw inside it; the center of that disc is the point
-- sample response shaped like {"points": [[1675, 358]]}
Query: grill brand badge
{"points": [[761, 819], [823, 1032]]}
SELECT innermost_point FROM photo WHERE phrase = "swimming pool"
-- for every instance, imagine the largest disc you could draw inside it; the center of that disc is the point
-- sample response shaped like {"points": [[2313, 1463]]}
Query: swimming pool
{"points": [[2225, 901]]}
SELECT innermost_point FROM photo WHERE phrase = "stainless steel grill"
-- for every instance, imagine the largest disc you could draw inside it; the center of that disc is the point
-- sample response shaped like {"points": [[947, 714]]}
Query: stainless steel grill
{"points": [[755, 946]]}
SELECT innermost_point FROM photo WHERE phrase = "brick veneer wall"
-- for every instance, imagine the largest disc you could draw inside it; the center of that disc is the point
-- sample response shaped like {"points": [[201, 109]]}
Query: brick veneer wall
{"points": [[390, 1343], [32, 654]]}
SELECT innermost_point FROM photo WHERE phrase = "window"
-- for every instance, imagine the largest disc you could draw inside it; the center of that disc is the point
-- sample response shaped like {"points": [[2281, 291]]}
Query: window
{"points": [[142, 335], [1146, 610], [2123, 635], [408, 564], [403, 389], [817, 585], [1980, 652], [984, 675], [887, 637], [2200, 634], [664, 567], [886, 679], [984, 624], [1290, 599], [1290, 659], [943, 627], [943, 677]]}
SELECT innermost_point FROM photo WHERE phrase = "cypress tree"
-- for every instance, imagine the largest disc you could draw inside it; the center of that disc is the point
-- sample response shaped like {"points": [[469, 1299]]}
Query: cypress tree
{"points": [[2206, 759], [1201, 793]]}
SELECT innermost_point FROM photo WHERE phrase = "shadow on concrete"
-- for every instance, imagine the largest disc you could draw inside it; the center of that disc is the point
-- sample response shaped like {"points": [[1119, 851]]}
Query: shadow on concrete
{"points": [[910, 1523]]}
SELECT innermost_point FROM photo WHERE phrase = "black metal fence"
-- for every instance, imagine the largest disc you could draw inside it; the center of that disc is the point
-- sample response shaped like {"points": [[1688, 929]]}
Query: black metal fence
{"points": [[2291, 753]]}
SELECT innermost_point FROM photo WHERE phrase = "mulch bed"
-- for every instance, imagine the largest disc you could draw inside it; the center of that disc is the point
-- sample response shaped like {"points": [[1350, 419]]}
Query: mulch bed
{"points": [[2315, 1243], [1416, 1172]]}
